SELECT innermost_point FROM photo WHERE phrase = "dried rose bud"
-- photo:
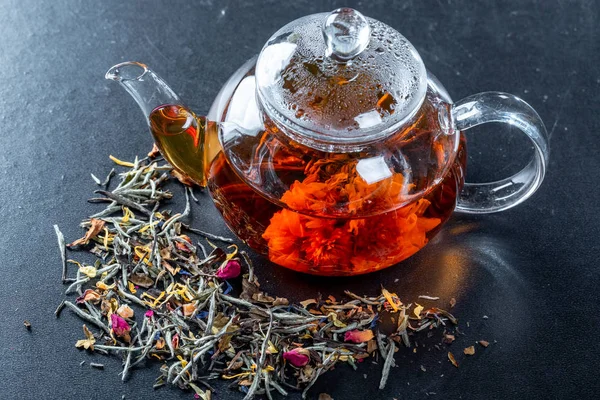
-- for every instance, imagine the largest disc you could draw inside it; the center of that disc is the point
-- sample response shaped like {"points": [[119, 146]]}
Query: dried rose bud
{"points": [[230, 269], [298, 357], [357, 336], [119, 326], [149, 314]]}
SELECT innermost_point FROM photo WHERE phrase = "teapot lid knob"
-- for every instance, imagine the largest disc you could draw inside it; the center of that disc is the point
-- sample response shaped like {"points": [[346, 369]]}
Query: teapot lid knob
{"points": [[347, 33]]}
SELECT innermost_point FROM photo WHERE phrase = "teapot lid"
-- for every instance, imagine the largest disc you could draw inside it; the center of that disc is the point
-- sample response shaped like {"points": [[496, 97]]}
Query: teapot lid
{"points": [[339, 79]]}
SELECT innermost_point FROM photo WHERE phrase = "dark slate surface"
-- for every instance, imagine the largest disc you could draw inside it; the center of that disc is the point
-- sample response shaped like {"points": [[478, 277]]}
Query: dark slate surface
{"points": [[532, 270]]}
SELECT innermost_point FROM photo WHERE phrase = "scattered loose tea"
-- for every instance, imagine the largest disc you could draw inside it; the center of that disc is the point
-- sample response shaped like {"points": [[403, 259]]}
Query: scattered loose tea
{"points": [[452, 302], [469, 351], [154, 293], [96, 365], [484, 343], [27, 325]]}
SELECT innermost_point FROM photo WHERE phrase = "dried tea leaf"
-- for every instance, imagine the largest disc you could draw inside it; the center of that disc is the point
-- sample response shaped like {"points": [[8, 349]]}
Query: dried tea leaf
{"points": [[469, 350], [484, 343], [27, 325], [249, 289], [120, 162], [235, 365], [429, 297], [142, 280], [325, 396], [452, 359], [262, 297], [96, 227]]}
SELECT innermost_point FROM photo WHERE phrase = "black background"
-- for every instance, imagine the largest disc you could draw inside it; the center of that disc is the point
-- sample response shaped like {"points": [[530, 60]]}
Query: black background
{"points": [[532, 270]]}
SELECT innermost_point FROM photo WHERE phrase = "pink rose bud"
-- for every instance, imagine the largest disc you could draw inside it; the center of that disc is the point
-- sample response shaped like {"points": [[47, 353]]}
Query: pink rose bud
{"points": [[149, 314], [298, 357], [119, 326], [357, 336], [229, 269]]}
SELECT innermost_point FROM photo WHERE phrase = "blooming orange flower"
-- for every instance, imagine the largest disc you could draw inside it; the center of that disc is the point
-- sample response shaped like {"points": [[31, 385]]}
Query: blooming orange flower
{"points": [[351, 244]]}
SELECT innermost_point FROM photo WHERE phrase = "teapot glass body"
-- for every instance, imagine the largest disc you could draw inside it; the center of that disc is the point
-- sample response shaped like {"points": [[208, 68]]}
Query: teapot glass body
{"points": [[338, 213]]}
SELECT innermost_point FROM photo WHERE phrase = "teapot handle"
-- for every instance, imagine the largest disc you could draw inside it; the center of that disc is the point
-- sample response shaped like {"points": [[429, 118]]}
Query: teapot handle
{"points": [[481, 198]]}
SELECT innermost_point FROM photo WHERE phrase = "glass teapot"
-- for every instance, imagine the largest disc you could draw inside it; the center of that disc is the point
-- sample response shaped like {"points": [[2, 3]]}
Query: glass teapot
{"points": [[334, 151]]}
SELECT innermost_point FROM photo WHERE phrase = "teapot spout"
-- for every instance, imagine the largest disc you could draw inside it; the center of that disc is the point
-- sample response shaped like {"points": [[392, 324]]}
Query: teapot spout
{"points": [[182, 137], [146, 87]]}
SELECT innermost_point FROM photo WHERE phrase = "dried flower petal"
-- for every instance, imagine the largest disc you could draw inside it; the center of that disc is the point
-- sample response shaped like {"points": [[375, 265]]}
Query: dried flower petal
{"points": [[95, 228], [89, 271], [391, 299], [308, 302], [298, 357], [452, 302], [452, 359], [142, 280], [89, 295], [449, 338], [188, 309], [88, 342], [230, 269], [125, 311], [149, 314], [356, 336], [417, 311], [469, 350], [484, 343]]}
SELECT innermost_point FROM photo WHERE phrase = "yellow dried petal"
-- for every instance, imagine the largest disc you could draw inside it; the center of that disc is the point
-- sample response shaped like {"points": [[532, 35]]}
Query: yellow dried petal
{"points": [[389, 298], [131, 287], [89, 271], [188, 309], [127, 215], [417, 310], [271, 349]]}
